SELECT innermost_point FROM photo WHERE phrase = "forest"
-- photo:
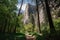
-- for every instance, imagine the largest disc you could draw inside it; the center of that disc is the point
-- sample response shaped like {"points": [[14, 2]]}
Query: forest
{"points": [[29, 19]]}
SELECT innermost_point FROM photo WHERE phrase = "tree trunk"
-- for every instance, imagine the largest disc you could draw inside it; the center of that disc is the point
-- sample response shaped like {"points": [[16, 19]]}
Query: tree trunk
{"points": [[4, 26], [20, 7], [52, 29], [33, 22], [38, 16]]}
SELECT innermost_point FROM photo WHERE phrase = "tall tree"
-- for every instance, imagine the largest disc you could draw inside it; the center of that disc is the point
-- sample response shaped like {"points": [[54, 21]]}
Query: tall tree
{"points": [[38, 15], [20, 7], [19, 17], [52, 29]]}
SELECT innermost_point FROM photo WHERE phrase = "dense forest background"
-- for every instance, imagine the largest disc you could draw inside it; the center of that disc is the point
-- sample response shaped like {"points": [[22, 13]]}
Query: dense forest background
{"points": [[29, 18]]}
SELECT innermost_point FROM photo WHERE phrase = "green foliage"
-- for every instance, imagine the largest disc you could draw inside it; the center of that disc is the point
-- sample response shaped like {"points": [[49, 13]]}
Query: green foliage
{"points": [[20, 36], [19, 25], [28, 27], [57, 24], [7, 19], [7, 15]]}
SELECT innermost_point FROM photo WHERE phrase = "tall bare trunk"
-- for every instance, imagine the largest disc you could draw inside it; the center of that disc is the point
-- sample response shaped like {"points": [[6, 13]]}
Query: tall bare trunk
{"points": [[52, 29], [33, 22], [38, 16], [4, 26], [20, 7]]}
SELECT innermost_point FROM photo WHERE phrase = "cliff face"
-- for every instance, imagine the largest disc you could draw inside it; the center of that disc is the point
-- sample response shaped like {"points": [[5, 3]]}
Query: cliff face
{"points": [[26, 14], [42, 14], [30, 10]]}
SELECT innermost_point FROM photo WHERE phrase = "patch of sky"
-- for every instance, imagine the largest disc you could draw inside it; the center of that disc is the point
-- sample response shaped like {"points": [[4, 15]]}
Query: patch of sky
{"points": [[24, 4]]}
